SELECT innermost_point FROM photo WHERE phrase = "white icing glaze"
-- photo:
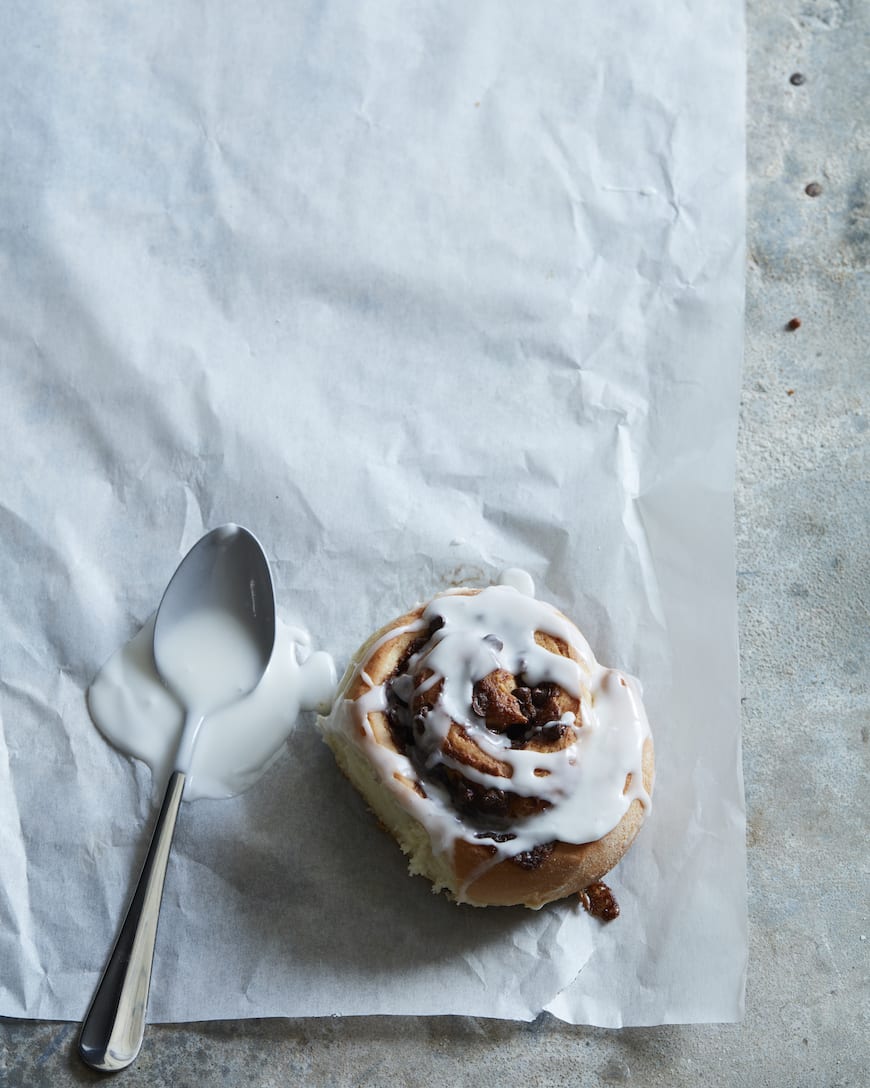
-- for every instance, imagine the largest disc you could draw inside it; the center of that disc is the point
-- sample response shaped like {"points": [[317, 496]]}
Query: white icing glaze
{"points": [[521, 580], [234, 747], [495, 629]]}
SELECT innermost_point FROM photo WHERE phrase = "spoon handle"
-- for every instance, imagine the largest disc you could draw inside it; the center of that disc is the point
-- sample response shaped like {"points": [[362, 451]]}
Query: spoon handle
{"points": [[113, 1029]]}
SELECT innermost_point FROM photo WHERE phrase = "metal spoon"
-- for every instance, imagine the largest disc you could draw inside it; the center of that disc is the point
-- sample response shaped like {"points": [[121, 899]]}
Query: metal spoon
{"points": [[228, 573]]}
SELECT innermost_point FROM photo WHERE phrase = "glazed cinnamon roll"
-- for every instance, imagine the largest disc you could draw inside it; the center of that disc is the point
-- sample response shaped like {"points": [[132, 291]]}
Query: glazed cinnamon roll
{"points": [[509, 765]]}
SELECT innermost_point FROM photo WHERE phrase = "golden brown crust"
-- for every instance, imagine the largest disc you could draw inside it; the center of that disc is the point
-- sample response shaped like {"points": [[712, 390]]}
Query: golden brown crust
{"points": [[567, 868], [383, 662]]}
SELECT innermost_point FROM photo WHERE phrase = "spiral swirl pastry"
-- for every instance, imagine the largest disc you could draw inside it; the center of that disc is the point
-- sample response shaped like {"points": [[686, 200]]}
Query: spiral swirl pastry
{"points": [[509, 765]]}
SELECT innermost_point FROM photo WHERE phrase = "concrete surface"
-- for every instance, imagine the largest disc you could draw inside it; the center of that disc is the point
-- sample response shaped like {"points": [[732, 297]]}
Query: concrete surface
{"points": [[801, 517]]}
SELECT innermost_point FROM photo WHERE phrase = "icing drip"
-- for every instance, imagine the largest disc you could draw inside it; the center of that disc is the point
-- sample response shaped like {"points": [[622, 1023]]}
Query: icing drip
{"points": [[579, 787], [142, 718], [521, 580]]}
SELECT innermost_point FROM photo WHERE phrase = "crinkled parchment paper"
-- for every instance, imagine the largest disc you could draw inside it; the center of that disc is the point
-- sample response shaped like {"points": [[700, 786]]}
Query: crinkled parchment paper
{"points": [[416, 292]]}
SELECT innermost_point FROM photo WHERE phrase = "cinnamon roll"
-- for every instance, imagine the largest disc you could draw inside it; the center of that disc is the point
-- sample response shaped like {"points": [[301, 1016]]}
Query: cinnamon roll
{"points": [[509, 765]]}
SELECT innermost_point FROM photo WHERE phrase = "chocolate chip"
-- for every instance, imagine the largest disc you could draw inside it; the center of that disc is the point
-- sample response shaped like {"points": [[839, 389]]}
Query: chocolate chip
{"points": [[518, 734], [541, 694], [490, 802], [523, 696], [493, 801], [398, 719], [599, 901], [534, 858], [553, 731]]}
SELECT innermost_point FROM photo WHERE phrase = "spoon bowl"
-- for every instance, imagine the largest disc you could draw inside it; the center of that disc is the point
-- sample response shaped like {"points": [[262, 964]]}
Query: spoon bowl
{"points": [[215, 628], [224, 578], [213, 640]]}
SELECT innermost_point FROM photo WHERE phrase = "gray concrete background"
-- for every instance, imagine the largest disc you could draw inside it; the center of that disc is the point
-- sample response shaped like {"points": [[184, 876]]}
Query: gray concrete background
{"points": [[803, 566]]}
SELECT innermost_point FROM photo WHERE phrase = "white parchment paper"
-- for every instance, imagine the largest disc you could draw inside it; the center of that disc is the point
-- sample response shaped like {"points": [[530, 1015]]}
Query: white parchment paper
{"points": [[415, 291]]}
